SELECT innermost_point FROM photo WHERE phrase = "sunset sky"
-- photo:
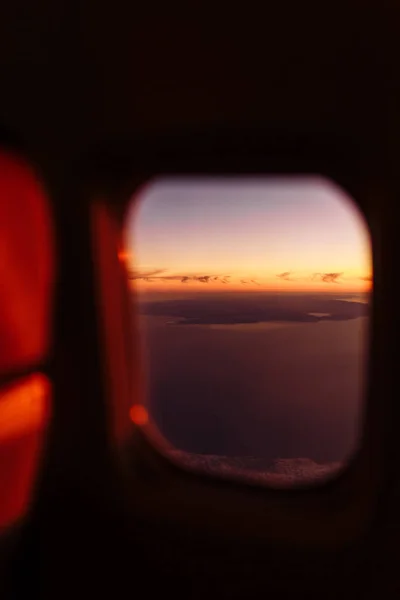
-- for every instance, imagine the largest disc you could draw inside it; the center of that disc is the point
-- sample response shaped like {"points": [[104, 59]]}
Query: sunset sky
{"points": [[209, 234]]}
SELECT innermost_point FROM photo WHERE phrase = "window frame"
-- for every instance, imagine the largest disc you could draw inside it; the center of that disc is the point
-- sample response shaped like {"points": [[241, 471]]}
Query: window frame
{"points": [[331, 513]]}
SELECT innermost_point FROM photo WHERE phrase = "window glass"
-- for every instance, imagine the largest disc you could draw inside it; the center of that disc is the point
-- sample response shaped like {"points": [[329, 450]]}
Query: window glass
{"points": [[253, 297]]}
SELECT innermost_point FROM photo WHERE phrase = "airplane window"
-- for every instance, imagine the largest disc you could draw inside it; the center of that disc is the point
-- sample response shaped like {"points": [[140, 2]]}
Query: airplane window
{"points": [[26, 271], [253, 298], [26, 265]]}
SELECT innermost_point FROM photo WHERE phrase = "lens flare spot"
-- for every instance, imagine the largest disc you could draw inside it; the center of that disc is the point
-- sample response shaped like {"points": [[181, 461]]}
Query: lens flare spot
{"points": [[139, 415], [124, 257]]}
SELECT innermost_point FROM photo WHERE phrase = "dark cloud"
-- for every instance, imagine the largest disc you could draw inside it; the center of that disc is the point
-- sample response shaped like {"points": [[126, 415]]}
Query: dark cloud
{"points": [[328, 277], [245, 281], [160, 275], [147, 275], [285, 276], [213, 310], [367, 278]]}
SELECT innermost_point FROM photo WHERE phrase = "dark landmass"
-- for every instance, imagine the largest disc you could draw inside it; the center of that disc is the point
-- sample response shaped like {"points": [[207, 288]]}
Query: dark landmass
{"points": [[207, 309]]}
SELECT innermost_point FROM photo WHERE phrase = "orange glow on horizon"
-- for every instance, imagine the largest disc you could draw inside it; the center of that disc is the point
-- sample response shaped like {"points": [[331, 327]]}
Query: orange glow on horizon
{"points": [[286, 234], [356, 284], [139, 415], [24, 414]]}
